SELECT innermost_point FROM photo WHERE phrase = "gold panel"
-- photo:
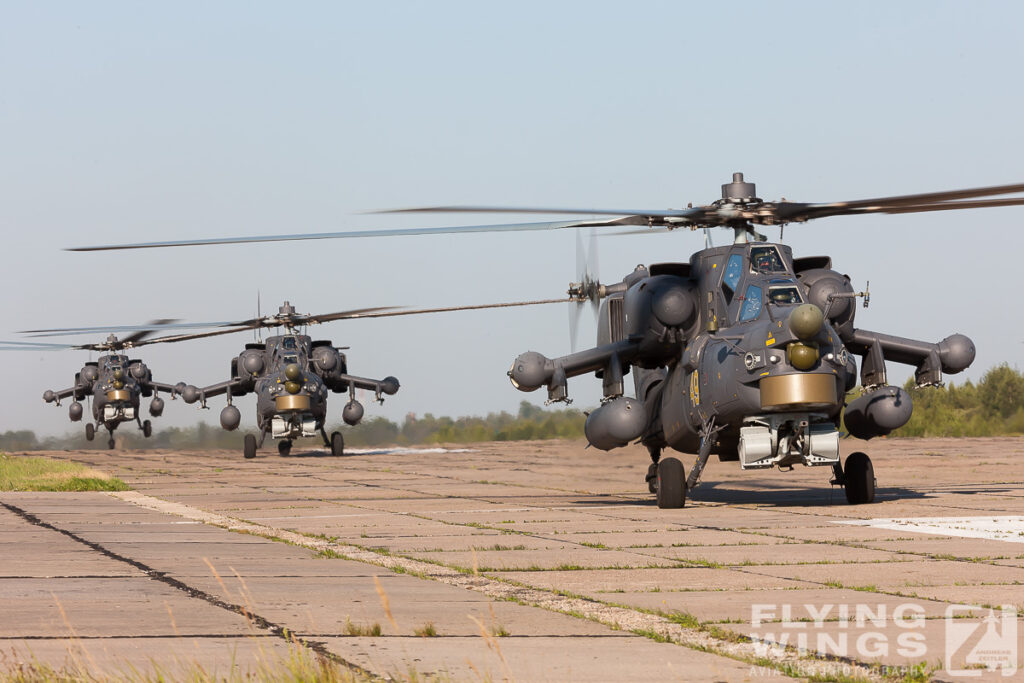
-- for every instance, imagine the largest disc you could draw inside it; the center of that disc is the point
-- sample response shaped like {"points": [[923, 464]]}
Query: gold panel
{"points": [[291, 402], [798, 390], [119, 395]]}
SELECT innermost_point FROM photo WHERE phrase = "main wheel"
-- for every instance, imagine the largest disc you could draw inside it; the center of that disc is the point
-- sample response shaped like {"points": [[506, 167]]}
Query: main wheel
{"points": [[860, 479], [337, 444], [249, 446], [90, 431], [110, 444], [147, 429], [284, 447], [671, 484]]}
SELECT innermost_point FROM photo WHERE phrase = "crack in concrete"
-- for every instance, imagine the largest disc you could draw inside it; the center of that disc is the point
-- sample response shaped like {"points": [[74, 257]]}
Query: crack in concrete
{"points": [[256, 620]]}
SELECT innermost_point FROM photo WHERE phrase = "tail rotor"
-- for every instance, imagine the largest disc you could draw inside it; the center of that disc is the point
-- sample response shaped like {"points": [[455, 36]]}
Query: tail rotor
{"points": [[586, 288]]}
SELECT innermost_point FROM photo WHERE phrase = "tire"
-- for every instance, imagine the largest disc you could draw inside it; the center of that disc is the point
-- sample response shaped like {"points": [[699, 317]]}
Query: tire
{"points": [[147, 429], [249, 447], [284, 447], [90, 431], [671, 484], [337, 444], [860, 479], [111, 444]]}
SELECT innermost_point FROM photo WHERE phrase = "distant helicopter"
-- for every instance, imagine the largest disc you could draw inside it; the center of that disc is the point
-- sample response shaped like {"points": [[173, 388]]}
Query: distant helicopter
{"points": [[292, 374], [115, 382], [743, 351]]}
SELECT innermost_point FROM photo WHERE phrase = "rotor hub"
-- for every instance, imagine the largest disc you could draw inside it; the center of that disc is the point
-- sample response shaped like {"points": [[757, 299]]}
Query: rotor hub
{"points": [[738, 191]]}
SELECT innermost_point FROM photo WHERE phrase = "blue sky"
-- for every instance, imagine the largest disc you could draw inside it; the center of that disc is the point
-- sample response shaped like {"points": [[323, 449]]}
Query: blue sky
{"points": [[135, 122]]}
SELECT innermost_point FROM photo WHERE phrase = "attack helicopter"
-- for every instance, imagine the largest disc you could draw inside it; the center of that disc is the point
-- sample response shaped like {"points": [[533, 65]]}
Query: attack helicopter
{"points": [[743, 351], [291, 374], [115, 383]]}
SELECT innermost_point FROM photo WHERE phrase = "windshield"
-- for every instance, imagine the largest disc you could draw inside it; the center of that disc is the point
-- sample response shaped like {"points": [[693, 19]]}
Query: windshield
{"points": [[751, 303], [766, 260], [784, 296]]}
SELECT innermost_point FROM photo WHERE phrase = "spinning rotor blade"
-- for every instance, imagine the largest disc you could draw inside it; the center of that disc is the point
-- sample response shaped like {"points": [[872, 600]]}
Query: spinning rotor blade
{"points": [[511, 227], [586, 288], [32, 346], [644, 213]]}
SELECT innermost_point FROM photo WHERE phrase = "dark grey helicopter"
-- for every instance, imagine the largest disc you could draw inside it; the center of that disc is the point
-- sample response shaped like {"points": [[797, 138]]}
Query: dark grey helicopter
{"points": [[292, 374], [743, 351], [115, 383]]}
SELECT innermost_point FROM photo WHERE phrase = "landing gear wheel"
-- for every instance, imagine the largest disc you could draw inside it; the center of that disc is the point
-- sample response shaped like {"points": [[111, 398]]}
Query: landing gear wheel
{"points": [[337, 444], [90, 432], [671, 484], [147, 429], [860, 479], [249, 446], [110, 444], [284, 447], [652, 478]]}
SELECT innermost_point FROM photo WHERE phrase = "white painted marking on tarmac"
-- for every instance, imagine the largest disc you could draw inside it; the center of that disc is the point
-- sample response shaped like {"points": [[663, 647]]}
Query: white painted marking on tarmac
{"points": [[406, 451], [1009, 528]]}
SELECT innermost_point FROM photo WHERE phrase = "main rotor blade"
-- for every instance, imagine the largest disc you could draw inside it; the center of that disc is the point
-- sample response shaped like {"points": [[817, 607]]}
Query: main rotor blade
{"points": [[446, 309], [911, 203], [510, 227], [656, 213], [32, 346]]}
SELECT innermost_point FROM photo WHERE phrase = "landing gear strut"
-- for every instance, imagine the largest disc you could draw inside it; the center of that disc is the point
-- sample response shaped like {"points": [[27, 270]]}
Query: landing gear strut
{"points": [[652, 471]]}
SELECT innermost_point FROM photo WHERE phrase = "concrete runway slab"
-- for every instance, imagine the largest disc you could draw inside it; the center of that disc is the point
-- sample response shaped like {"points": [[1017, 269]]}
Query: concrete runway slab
{"points": [[616, 589]]}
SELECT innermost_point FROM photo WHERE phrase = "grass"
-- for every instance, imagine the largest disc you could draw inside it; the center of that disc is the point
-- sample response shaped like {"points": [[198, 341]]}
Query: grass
{"points": [[360, 630], [33, 473], [428, 630], [298, 664]]}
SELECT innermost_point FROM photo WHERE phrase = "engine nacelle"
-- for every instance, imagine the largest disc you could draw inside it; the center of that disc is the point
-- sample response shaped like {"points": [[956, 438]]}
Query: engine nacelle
{"points": [[75, 411], [661, 309], [616, 423], [89, 374], [156, 406], [230, 418], [138, 370], [250, 362], [325, 358], [878, 413], [190, 394], [352, 413], [822, 283]]}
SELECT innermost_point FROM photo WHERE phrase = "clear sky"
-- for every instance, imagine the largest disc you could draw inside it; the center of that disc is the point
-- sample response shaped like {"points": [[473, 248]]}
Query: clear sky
{"points": [[142, 121]]}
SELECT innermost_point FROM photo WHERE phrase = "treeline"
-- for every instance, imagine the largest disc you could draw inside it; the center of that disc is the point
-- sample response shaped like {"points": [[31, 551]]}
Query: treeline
{"points": [[530, 423], [992, 407]]}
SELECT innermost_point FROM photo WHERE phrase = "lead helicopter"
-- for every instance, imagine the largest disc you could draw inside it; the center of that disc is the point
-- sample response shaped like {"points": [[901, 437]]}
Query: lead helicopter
{"points": [[743, 351], [115, 383], [292, 374]]}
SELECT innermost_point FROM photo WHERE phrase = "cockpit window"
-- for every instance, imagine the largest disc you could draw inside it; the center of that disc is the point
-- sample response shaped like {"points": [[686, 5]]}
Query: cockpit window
{"points": [[751, 303], [766, 260], [733, 270], [291, 358], [783, 296], [289, 343]]}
